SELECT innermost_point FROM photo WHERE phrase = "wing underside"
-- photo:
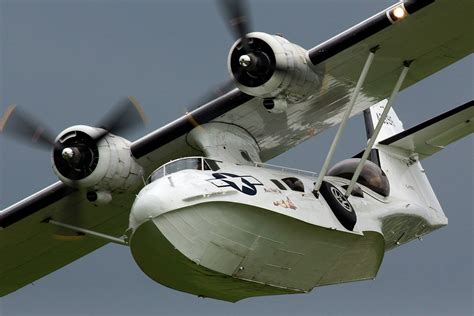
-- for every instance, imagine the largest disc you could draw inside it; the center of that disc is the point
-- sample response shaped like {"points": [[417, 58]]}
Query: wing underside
{"points": [[432, 38], [31, 248]]}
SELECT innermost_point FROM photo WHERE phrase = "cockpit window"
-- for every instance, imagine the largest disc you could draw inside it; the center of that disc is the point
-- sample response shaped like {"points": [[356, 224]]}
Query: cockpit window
{"points": [[294, 183], [158, 173], [175, 166], [371, 175], [183, 164], [195, 163]]}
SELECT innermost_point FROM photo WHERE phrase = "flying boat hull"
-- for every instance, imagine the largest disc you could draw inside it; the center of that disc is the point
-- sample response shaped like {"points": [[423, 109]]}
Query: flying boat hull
{"points": [[231, 251]]}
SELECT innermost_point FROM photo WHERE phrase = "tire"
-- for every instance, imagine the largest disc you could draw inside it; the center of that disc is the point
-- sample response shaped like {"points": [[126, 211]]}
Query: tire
{"points": [[339, 205]]}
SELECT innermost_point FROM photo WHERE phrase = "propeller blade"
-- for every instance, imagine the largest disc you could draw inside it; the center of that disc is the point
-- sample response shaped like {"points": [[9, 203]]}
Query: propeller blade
{"points": [[71, 213], [26, 128], [236, 15], [213, 94], [125, 116]]}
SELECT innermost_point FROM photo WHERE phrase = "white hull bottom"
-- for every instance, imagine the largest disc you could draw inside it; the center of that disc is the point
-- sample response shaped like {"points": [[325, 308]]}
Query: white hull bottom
{"points": [[231, 251]]}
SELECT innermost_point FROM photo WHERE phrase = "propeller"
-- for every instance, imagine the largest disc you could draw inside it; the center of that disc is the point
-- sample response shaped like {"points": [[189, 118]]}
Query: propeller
{"points": [[74, 155], [236, 16], [252, 61], [26, 128], [212, 94], [72, 213], [126, 115], [236, 13]]}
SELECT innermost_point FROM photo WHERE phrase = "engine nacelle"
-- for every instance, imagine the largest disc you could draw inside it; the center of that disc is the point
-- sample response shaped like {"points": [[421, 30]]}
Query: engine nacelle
{"points": [[270, 66], [79, 160]]}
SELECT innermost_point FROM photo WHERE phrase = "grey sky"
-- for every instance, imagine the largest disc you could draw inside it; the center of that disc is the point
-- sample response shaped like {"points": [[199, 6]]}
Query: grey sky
{"points": [[69, 61]]}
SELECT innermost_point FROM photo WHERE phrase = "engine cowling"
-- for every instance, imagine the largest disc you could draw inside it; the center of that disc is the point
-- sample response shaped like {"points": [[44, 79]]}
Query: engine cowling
{"points": [[104, 165], [269, 66]]}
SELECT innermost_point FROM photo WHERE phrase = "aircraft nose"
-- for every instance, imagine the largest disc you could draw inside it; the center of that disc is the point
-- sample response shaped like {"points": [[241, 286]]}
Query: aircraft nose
{"points": [[147, 204]]}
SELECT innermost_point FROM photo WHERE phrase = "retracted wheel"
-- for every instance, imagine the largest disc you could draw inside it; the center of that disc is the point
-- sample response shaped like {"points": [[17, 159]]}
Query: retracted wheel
{"points": [[339, 205]]}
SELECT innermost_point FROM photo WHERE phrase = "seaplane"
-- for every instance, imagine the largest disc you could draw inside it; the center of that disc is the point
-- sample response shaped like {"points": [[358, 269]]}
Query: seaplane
{"points": [[197, 203]]}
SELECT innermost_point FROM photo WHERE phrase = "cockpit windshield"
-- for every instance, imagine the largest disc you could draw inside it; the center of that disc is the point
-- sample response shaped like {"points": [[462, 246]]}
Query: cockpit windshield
{"points": [[195, 163], [183, 164]]}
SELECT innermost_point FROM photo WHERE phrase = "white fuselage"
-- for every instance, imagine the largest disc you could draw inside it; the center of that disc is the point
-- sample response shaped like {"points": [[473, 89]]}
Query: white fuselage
{"points": [[233, 233]]}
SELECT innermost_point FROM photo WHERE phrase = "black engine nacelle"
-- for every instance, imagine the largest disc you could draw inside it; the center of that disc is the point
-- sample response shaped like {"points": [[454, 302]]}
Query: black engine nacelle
{"points": [[269, 66]]}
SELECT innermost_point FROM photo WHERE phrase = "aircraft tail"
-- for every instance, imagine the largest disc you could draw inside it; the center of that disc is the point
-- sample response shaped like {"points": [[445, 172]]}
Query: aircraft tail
{"points": [[399, 151], [391, 126]]}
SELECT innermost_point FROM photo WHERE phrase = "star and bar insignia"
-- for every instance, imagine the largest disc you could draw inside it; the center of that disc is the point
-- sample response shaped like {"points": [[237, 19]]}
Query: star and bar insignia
{"points": [[243, 184]]}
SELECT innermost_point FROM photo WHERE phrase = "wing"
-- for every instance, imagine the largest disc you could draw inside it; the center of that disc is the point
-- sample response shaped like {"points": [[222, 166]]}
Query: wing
{"points": [[434, 35], [433, 135], [32, 249]]}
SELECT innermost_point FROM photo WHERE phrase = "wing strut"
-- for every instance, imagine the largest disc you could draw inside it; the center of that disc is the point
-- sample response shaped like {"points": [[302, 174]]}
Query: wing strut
{"points": [[105, 237], [369, 129], [368, 149], [346, 116]]}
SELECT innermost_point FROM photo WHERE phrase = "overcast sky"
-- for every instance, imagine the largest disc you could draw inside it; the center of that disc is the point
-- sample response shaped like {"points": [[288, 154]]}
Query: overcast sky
{"points": [[69, 61]]}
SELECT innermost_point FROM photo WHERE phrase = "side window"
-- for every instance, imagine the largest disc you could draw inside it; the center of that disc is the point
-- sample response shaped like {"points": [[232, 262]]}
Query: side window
{"points": [[210, 164], [278, 184], [294, 183]]}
